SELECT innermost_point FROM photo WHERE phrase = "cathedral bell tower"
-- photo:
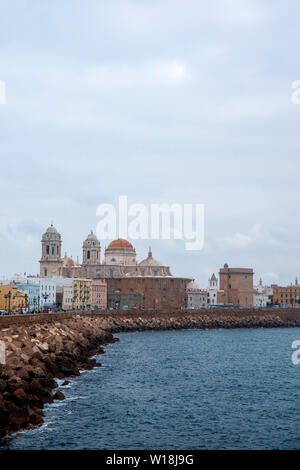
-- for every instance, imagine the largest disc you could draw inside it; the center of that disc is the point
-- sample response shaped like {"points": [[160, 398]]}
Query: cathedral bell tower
{"points": [[91, 251], [51, 262]]}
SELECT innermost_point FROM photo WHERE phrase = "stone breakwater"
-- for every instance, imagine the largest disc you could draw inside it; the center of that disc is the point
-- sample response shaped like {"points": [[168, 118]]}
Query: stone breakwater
{"points": [[35, 356], [42, 348]]}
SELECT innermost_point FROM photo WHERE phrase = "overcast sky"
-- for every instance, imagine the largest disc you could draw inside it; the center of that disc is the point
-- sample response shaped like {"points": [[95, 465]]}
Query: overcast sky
{"points": [[178, 101]]}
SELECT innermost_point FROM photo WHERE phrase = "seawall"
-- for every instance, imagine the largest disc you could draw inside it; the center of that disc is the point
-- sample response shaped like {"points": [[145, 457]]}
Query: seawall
{"points": [[41, 348]]}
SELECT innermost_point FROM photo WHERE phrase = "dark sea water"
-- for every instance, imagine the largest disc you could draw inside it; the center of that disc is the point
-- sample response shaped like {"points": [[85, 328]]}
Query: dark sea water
{"points": [[218, 389]]}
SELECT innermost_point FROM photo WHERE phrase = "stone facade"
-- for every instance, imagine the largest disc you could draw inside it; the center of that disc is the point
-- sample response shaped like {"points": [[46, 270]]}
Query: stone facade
{"points": [[196, 297], [51, 262], [119, 260], [160, 293], [236, 287], [124, 300]]}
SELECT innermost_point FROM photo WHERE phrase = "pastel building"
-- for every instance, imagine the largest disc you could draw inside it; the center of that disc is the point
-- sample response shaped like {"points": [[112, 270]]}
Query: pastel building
{"points": [[288, 296], [68, 294], [11, 299], [33, 293], [99, 294], [82, 289]]}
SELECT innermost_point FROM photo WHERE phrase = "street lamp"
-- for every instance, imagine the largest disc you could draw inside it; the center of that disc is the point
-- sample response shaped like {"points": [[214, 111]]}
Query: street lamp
{"points": [[45, 296], [8, 296], [36, 303]]}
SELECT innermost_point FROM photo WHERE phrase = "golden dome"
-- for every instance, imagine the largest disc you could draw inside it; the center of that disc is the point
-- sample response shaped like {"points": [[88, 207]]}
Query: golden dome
{"points": [[120, 244]]}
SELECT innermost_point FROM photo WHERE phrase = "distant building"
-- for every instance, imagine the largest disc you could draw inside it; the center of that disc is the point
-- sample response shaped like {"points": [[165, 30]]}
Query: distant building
{"points": [[196, 297], [212, 290], [11, 299], [159, 293], [21, 279], [51, 262], [236, 286], [119, 260], [48, 292], [287, 296], [159, 288], [82, 289], [263, 295], [122, 300], [33, 293], [99, 293], [67, 301], [62, 284]]}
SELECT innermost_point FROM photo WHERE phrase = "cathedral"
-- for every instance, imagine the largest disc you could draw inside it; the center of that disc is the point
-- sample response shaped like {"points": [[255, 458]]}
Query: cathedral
{"points": [[119, 260]]}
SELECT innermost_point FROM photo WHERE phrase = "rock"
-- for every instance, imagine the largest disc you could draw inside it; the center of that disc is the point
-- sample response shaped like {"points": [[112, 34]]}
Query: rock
{"points": [[66, 382], [48, 383], [20, 397], [2, 385], [25, 357], [36, 419], [35, 402], [14, 383], [59, 396], [18, 417]]}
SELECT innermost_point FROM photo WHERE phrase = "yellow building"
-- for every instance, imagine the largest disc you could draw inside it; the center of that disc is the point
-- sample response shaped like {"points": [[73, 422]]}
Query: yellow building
{"points": [[289, 296], [82, 290], [11, 299]]}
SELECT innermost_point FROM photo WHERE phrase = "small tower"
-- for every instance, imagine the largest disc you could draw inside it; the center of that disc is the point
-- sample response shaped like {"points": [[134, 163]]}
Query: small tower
{"points": [[51, 262], [213, 282], [91, 251]]}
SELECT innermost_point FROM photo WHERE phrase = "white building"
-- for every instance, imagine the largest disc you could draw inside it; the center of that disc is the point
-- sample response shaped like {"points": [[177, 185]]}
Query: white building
{"points": [[68, 294], [53, 287], [212, 290], [196, 297], [21, 279], [262, 296], [47, 292]]}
